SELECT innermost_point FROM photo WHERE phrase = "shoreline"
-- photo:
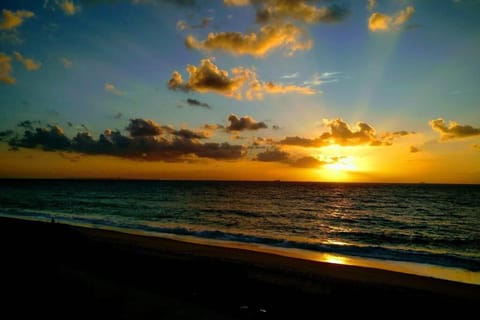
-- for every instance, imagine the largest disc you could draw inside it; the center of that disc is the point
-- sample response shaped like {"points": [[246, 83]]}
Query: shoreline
{"points": [[118, 274], [408, 267]]}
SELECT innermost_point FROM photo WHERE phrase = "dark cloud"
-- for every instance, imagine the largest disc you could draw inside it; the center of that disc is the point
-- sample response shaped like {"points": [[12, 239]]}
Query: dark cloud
{"points": [[118, 115], [453, 130], [414, 149], [28, 124], [5, 134], [147, 140], [273, 155], [244, 123], [50, 138], [275, 127], [307, 162], [342, 134], [143, 127], [196, 103]]}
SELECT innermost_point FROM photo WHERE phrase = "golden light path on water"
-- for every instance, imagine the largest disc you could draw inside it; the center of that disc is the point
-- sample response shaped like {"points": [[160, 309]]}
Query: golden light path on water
{"points": [[426, 270]]}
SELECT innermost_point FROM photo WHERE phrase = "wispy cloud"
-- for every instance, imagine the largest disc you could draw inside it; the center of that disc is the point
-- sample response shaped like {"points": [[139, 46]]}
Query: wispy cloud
{"points": [[67, 63], [325, 77], [6, 69], [29, 64], [11, 20], [110, 88], [183, 25], [290, 76]]}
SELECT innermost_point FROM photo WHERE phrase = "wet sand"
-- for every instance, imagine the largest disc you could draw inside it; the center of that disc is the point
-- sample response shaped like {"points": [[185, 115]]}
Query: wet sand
{"points": [[61, 271]]}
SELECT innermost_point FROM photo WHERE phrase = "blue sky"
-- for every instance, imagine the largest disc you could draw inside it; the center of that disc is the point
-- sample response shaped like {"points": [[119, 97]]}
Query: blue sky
{"points": [[396, 66]]}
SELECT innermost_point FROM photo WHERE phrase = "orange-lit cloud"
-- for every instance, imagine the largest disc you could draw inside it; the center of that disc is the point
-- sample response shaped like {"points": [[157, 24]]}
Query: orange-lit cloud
{"points": [[11, 20], [6, 69], [68, 7], [29, 64], [300, 10], [383, 22], [453, 130], [238, 3], [244, 123], [259, 44], [342, 134], [243, 82]]}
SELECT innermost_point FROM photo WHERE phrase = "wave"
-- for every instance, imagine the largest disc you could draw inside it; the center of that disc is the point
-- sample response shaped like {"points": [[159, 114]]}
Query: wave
{"points": [[365, 251]]}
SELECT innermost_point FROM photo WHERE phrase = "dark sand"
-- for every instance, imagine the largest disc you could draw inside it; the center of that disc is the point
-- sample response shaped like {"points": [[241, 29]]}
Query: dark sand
{"points": [[60, 271]]}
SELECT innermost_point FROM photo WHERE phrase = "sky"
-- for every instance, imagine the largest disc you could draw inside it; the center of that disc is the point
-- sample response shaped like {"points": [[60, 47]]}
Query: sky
{"points": [[348, 91]]}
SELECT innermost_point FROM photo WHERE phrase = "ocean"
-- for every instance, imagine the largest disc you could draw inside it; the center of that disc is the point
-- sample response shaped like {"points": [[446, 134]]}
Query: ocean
{"points": [[424, 224]]}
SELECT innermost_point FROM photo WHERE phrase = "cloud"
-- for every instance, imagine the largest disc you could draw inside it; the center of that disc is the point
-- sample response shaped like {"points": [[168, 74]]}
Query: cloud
{"points": [[147, 140], [307, 162], [325, 77], [382, 22], [237, 3], [244, 123], [182, 3], [414, 149], [258, 44], [29, 64], [301, 11], [476, 146], [5, 134], [342, 134], [183, 25], [290, 76], [276, 155], [67, 63], [275, 88], [371, 4], [143, 127], [11, 20], [112, 89], [196, 103], [68, 7], [6, 69], [243, 83], [453, 130]]}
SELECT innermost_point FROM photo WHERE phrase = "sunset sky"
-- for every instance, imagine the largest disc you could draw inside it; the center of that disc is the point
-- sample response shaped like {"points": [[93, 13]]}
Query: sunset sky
{"points": [[357, 91]]}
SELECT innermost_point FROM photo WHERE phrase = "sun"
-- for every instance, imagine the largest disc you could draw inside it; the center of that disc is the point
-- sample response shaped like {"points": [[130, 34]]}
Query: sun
{"points": [[342, 164]]}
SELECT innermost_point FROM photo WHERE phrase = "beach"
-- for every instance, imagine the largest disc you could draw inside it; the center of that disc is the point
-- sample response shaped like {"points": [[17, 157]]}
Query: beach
{"points": [[63, 271]]}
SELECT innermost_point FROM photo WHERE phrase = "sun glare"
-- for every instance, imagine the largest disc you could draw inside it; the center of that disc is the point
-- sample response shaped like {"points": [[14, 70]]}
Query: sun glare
{"points": [[343, 164]]}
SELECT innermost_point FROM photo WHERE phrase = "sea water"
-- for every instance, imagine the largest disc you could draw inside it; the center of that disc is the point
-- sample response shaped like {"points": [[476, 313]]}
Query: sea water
{"points": [[427, 224]]}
